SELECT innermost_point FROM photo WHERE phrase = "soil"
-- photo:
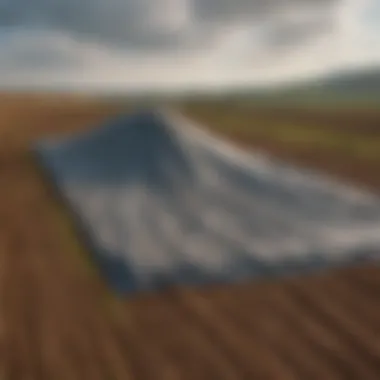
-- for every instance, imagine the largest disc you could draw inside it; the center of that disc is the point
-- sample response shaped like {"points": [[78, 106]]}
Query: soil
{"points": [[58, 321]]}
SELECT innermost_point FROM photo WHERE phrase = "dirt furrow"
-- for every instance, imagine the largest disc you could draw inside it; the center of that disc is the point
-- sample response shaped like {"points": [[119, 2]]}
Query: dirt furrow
{"points": [[165, 330], [325, 343], [233, 340], [334, 315], [276, 320]]}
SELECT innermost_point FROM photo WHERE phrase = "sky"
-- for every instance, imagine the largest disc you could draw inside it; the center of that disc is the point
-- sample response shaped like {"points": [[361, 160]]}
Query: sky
{"points": [[128, 45]]}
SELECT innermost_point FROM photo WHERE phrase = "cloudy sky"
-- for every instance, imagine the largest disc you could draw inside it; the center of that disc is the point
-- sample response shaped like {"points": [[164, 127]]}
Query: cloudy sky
{"points": [[141, 44]]}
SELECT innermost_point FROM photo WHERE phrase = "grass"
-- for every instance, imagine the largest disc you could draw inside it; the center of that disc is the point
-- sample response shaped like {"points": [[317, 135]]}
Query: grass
{"points": [[296, 136], [324, 130], [321, 101]]}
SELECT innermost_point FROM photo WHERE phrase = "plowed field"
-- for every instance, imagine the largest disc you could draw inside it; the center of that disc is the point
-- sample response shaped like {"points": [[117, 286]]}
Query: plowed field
{"points": [[57, 320]]}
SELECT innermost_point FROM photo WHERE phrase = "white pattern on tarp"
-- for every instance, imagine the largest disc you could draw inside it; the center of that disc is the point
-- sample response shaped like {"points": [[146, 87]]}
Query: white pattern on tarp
{"points": [[229, 210]]}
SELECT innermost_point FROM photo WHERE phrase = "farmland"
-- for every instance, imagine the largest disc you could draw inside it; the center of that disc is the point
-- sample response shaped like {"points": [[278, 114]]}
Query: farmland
{"points": [[58, 321]]}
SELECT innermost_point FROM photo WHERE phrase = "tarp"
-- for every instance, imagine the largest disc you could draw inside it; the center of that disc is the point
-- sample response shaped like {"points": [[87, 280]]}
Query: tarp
{"points": [[162, 202]]}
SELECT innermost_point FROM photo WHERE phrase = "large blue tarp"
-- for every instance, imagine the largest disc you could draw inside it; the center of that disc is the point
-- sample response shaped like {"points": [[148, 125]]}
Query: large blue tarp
{"points": [[162, 202]]}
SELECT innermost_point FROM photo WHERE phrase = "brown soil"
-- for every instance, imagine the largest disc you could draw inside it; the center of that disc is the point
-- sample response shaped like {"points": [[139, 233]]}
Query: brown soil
{"points": [[57, 320]]}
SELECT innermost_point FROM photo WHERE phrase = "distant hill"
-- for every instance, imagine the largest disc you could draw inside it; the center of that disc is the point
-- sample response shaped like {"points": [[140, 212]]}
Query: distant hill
{"points": [[363, 81], [348, 88]]}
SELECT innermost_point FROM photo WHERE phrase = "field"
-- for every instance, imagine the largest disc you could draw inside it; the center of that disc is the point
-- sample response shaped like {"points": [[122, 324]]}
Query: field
{"points": [[343, 142], [57, 320]]}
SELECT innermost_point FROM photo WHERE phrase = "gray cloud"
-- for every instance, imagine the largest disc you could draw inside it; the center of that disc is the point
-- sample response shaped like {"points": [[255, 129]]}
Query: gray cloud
{"points": [[127, 23], [37, 53], [287, 34]]}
